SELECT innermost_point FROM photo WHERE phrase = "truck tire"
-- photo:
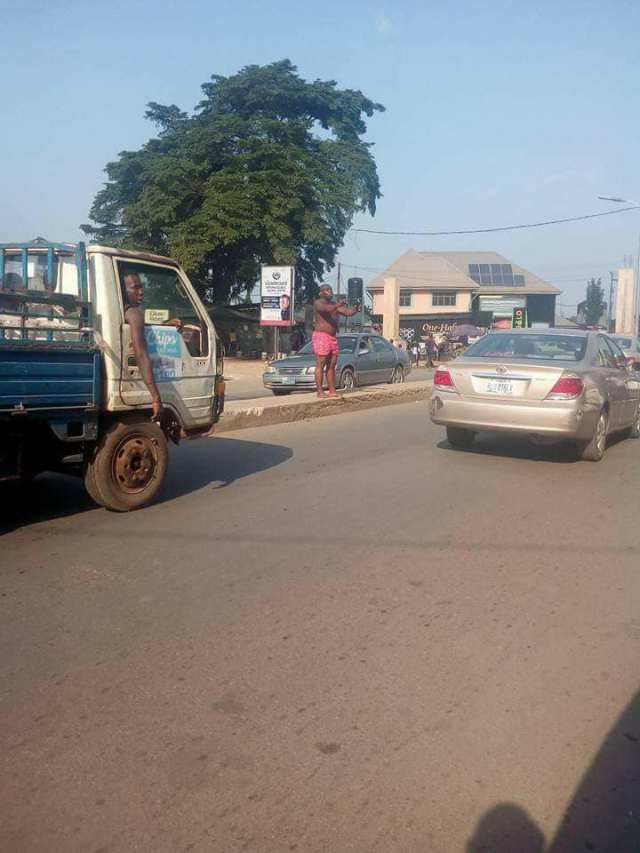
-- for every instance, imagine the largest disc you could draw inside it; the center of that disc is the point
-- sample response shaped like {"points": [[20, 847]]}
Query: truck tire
{"points": [[90, 484], [129, 466]]}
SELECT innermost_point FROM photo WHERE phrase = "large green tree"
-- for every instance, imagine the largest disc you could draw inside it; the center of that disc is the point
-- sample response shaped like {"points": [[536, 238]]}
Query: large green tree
{"points": [[269, 168], [595, 305]]}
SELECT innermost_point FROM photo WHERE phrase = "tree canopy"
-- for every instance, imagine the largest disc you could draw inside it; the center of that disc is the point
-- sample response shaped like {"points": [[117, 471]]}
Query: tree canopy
{"points": [[595, 305], [269, 168]]}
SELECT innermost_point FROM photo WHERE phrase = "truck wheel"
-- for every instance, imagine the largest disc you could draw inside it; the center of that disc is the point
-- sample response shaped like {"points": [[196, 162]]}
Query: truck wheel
{"points": [[129, 466], [90, 484]]}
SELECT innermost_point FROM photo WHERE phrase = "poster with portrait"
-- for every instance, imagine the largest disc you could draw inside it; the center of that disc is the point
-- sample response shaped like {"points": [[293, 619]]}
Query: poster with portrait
{"points": [[277, 296]]}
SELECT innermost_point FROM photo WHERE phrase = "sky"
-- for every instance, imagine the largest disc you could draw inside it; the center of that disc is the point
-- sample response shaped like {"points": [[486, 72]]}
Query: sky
{"points": [[497, 113]]}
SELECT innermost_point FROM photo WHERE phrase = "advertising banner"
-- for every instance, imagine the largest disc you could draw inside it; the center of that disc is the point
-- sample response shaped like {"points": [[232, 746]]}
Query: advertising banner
{"points": [[164, 346], [276, 296]]}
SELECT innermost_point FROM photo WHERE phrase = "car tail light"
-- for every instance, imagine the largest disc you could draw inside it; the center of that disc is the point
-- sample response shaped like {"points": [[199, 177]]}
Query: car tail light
{"points": [[566, 388], [442, 379]]}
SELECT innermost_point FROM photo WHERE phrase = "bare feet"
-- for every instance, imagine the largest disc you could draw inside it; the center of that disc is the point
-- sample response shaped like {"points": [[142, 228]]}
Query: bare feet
{"points": [[321, 395]]}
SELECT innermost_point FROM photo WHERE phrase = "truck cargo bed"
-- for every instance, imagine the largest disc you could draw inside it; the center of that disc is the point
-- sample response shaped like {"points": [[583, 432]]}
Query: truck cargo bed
{"points": [[41, 376]]}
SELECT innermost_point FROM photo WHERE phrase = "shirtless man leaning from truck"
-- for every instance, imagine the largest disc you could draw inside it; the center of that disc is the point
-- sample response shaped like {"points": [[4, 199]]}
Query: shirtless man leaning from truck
{"points": [[325, 337]]}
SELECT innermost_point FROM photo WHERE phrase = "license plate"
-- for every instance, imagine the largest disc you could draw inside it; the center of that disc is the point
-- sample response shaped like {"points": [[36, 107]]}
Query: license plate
{"points": [[288, 380], [500, 386]]}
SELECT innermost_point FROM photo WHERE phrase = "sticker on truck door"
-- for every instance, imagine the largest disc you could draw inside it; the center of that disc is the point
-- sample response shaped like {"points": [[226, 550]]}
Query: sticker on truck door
{"points": [[164, 345]]}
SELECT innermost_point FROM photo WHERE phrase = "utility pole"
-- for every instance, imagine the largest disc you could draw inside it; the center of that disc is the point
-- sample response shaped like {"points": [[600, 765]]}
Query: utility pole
{"points": [[338, 295], [612, 281]]}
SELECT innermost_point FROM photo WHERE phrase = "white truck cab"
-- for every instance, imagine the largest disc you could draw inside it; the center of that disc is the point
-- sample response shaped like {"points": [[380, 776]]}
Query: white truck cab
{"points": [[72, 397]]}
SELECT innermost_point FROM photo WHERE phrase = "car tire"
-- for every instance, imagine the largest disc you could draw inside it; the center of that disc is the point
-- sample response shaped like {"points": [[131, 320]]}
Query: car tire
{"points": [[348, 380], [397, 377], [634, 430], [594, 450], [280, 392], [129, 466], [458, 437]]}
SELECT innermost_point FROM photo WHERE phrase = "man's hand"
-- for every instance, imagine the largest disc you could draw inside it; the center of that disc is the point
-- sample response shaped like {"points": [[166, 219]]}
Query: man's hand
{"points": [[156, 410]]}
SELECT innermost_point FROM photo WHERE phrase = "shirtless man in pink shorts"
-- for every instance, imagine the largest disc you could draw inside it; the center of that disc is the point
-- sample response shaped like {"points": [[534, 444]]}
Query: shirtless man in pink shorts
{"points": [[325, 341]]}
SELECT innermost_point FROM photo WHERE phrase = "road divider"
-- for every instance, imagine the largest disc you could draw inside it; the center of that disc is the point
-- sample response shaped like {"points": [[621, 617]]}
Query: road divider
{"points": [[266, 411]]}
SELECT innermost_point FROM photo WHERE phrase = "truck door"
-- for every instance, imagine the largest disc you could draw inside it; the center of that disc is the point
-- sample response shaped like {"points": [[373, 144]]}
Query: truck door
{"points": [[179, 343]]}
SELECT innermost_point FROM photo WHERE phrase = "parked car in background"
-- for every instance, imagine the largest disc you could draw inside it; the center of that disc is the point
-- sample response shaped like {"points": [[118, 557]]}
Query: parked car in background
{"points": [[630, 347], [365, 358], [550, 384]]}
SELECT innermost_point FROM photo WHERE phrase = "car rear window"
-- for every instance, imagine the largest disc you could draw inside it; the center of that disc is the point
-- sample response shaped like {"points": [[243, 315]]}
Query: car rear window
{"points": [[518, 345]]}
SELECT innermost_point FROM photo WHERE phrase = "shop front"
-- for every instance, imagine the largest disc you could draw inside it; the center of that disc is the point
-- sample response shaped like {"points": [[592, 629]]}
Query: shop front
{"points": [[419, 328]]}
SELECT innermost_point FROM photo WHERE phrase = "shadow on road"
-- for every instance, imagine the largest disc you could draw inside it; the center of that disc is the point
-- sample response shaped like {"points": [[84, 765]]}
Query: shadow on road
{"points": [[513, 447], [220, 461], [604, 812], [192, 466]]}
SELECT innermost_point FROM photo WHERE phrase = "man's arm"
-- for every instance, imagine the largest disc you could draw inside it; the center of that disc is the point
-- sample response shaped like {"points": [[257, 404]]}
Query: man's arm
{"points": [[345, 311], [136, 324]]}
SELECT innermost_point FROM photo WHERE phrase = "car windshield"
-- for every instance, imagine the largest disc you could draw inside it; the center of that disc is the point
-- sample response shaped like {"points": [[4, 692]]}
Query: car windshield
{"points": [[527, 346], [345, 342], [625, 343]]}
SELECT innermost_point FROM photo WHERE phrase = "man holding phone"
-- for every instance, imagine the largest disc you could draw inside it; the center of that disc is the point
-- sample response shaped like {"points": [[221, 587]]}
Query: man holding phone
{"points": [[325, 337]]}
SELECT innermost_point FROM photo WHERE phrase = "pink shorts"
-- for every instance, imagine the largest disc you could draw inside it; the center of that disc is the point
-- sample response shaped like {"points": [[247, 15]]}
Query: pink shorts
{"points": [[325, 344]]}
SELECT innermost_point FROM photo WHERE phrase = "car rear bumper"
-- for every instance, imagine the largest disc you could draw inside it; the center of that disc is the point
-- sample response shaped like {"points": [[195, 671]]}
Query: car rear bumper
{"points": [[560, 418]]}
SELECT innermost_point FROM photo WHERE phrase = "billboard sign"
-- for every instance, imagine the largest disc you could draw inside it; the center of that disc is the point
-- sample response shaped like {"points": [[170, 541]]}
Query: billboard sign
{"points": [[277, 296]]}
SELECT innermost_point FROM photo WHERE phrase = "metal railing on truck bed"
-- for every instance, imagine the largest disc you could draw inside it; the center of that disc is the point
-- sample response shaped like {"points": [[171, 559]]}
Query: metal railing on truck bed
{"points": [[48, 356], [44, 294]]}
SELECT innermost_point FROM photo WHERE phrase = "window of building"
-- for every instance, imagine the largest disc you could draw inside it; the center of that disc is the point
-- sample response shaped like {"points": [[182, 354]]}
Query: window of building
{"points": [[443, 298], [501, 275], [405, 298]]}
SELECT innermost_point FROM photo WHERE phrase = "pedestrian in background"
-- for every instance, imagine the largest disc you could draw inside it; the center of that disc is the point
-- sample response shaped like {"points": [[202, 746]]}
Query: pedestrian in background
{"points": [[415, 352], [432, 350]]}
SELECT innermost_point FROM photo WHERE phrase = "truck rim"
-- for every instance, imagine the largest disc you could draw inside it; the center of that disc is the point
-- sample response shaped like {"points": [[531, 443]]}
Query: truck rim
{"points": [[135, 463]]}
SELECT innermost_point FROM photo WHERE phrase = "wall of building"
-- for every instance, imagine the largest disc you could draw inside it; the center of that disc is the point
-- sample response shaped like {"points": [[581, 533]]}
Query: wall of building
{"points": [[625, 302], [422, 303]]}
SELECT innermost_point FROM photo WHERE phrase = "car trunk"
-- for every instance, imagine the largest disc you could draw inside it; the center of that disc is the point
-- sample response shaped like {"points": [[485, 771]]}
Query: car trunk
{"points": [[524, 379]]}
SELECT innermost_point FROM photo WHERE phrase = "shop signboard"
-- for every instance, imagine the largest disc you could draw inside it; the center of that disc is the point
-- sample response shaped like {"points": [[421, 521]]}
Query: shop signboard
{"points": [[519, 318]]}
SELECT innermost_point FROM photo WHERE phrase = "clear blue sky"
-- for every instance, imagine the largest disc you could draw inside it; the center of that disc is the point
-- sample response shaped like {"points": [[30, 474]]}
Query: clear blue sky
{"points": [[497, 112]]}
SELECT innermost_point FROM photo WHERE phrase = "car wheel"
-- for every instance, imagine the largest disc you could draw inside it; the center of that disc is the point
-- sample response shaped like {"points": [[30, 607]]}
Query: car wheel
{"points": [[348, 379], [397, 376], [458, 437], [594, 450], [634, 430], [280, 392]]}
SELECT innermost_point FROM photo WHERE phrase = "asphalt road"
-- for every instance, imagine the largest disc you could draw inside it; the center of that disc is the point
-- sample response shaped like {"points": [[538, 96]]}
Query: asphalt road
{"points": [[339, 635], [251, 387]]}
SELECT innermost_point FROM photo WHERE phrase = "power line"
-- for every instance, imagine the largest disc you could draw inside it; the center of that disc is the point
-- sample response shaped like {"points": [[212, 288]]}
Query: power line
{"points": [[498, 228]]}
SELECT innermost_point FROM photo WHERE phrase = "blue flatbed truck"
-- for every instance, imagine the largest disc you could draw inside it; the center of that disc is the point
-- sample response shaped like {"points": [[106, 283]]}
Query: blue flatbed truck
{"points": [[71, 397]]}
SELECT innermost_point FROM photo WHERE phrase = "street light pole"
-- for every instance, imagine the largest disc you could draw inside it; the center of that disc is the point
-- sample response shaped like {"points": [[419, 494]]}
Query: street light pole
{"points": [[636, 270]]}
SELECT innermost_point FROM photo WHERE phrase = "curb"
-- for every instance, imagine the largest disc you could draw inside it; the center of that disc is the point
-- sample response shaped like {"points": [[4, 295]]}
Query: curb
{"points": [[292, 411]]}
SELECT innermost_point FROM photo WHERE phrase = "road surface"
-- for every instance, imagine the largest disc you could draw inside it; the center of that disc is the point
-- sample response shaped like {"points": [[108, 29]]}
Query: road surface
{"points": [[339, 635]]}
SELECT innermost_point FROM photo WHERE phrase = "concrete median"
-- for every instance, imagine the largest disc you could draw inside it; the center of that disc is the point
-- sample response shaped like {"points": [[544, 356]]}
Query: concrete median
{"points": [[265, 411]]}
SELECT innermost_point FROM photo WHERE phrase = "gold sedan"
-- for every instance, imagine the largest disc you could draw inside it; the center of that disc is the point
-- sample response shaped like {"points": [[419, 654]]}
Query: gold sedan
{"points": [[549, 384]]}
